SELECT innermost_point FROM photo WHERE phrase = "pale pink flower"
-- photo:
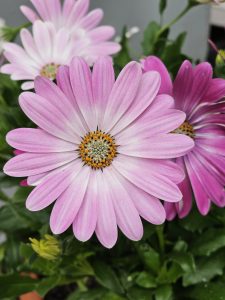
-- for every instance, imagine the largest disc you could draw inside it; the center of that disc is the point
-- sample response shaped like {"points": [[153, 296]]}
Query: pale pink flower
{"points": [[102, 150], [91, 40], [197, 94], [61, 34]]}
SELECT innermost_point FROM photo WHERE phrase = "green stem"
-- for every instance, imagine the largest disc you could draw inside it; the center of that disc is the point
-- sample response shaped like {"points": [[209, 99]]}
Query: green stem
{"points": [[174, 21], [160, 235]]}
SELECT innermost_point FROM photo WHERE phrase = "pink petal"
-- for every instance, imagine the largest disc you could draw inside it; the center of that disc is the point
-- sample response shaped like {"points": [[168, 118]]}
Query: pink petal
{"points": [[28, 164], [212, 186], [183, 84], [49, 117], [92, 19], [122, 94], [127, 216], [103, 78], [147, 126], [184, 206], [216, 90], [153, 63], [102, 33], [67, 8], [201, 197], [156, 185], [159, 147], [215, 145], [85, 222], [29, 13], [40, 6], [80, 76], [146, 94], [201, 78], [79, 10], [149, 207], [106, 229], [51, 92], [170, 209], [37, 140], [52, 187], [68, 204]]}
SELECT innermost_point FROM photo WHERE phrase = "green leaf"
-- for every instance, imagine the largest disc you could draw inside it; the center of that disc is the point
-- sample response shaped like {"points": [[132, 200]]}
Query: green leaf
{"points": [[146, 280], [16, 285], [150, 38], [47, 284], [185, 260], [107, 277], [164, 293], [162, 6], [206, 269], [93, 294], [149, 256], [136, 293], [206, 291], [209, 242], [123, 57]]}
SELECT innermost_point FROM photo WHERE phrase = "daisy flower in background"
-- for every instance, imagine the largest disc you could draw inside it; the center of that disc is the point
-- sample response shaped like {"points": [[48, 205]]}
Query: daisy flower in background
{"points": [[102, 150], [91, 40], [54, 43], [197, 94]]}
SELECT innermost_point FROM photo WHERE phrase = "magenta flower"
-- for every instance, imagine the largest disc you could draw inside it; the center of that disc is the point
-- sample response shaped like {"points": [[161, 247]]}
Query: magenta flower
{"points": [[101, 151], [63, 34], [91, 40], [197, 94]]}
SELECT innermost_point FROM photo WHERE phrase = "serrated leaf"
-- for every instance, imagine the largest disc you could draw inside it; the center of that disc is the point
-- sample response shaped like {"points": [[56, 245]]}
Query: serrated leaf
{"points": [[209, 242], [206, 291], [206, 269]]}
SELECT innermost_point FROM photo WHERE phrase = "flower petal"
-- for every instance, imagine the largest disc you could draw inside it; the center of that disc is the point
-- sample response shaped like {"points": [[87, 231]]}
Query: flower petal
{"points": [[106, 229], [153, 63], [158, 147], [122, 94], [140, 175], [52, 187], [68, 204], [37, 140], [127, 216], [85, 222], [28, 164]]}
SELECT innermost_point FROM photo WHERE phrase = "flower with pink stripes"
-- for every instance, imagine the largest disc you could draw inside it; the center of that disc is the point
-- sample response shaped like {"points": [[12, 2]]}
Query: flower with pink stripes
{"points": [[91, 40], [197, 94], [59, 34], [102, 150]]}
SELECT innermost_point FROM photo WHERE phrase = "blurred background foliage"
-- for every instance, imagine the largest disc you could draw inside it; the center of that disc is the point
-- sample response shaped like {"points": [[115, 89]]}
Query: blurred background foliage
{"points": [[181, 260]]}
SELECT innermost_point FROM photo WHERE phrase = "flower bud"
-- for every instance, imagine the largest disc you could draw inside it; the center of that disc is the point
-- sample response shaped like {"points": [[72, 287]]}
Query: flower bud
{"points": [[48, 248]]}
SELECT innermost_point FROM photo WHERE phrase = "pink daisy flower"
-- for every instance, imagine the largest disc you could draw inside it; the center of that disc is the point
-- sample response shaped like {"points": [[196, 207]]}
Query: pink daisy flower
{"points": [[197, 94], [101, 151], [91, 40], [63, 34]]}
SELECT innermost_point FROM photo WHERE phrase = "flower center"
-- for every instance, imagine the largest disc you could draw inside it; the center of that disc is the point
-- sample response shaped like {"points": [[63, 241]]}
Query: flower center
{"points": [[185, 128], [98, 149], [49, 71]]}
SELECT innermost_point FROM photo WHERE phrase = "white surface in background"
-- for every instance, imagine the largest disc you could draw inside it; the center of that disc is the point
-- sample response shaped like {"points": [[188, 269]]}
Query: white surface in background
{"points": [[217, 15]]}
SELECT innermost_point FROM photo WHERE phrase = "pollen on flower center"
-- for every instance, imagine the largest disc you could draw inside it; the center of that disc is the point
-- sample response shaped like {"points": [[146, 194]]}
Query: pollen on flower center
{"points": [[186, 128], [49, 71], [98, 149]]}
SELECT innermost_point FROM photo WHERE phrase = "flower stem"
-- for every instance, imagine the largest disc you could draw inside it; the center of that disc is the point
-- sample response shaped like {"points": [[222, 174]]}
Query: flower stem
{"points": [[174, 21]]}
